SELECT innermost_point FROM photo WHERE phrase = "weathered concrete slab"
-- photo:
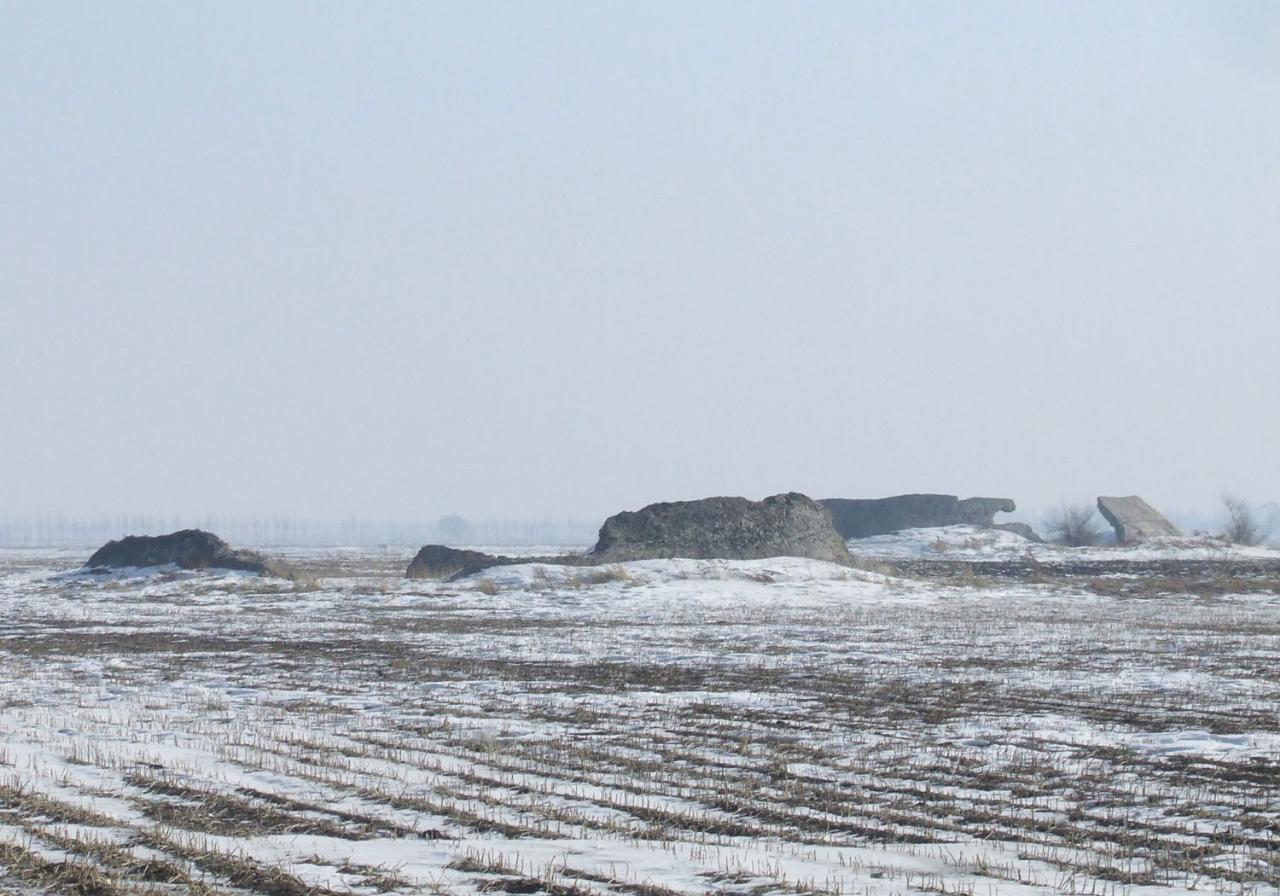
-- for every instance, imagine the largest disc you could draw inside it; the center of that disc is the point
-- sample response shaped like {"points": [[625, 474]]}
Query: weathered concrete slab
{"points": [[1020, 529], [865, 517], [1134, 519]]}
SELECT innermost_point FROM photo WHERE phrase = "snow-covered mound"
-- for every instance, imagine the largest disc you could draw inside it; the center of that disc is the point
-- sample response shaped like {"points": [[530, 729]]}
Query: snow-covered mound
{"points": [[974, 544], [944, 542], [708, 584]]}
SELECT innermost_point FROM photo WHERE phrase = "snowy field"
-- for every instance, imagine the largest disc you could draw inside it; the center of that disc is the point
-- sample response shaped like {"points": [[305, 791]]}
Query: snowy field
{"points": [[973, 543], [761, 727]]}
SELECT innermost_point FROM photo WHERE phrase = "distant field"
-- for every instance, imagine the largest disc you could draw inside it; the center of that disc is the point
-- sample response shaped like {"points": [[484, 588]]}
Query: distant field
{"points": [[688, 727]]}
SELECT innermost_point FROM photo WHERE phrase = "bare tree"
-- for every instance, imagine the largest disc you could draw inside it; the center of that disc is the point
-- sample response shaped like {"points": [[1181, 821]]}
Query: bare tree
{"points": [[1072, 525], [1242, 525], [454, 528]]}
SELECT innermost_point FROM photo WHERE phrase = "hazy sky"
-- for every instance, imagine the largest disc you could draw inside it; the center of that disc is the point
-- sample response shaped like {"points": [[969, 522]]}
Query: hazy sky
{"points": [[523, 259]]}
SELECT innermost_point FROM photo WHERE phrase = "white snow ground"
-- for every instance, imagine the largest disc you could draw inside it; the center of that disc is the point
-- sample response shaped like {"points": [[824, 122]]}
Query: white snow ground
{"points": [[781, 726], [973, 543]]}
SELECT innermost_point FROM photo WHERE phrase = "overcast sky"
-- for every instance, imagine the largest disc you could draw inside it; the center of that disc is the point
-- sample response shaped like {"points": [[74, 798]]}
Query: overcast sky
{"points": [[513, 260]]}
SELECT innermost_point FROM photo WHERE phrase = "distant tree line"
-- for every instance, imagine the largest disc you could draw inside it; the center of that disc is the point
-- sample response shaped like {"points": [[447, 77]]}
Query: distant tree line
{"points": [[60, 531]]}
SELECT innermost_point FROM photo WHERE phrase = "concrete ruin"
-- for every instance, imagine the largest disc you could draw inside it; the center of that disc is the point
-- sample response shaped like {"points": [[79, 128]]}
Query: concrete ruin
{"points": [[867, 517], [1134, 519]]}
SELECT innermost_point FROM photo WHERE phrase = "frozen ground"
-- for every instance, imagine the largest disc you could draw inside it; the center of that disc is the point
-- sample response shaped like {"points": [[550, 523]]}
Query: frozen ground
{"points": [[973, 543], [774, 726]]}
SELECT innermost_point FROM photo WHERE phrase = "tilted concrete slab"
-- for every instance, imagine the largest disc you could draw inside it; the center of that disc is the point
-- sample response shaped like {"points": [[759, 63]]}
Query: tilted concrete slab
{"points": [[1134, 519]]}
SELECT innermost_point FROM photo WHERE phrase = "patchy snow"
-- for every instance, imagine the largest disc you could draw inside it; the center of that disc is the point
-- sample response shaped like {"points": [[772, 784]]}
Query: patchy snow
{"points": [[694, 725], [971, 543], [955, 542]]}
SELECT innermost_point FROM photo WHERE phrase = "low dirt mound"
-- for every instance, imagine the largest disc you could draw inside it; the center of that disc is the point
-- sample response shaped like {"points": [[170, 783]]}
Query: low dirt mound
{"points": [[188, 549]]}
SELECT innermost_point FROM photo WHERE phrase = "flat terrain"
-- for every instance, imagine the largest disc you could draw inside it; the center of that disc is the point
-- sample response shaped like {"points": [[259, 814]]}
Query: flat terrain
{"points": [[776, 726]]}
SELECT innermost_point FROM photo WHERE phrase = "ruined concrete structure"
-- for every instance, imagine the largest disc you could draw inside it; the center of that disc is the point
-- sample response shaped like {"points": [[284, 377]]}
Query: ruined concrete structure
{"points": [[1134, 519], [865, 517]]}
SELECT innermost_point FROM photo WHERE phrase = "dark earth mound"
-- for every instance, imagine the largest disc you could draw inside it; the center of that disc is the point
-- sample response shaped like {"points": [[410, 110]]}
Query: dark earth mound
{"points": [[188, 549], [789, 525], [437, 561]]}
